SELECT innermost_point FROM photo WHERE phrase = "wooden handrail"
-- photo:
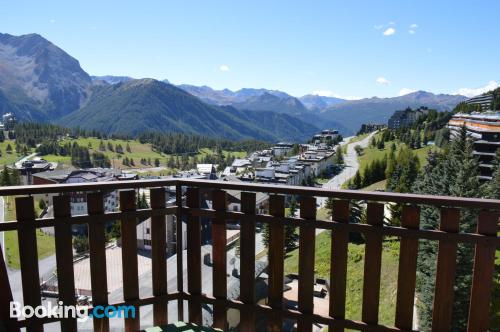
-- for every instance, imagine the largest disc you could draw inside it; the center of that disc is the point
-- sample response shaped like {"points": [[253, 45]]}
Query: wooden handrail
{"points": [[441, 201]]}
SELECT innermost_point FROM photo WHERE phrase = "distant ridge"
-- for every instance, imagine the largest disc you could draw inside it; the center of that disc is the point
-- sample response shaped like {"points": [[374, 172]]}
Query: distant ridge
{"points": [[150, 105]]}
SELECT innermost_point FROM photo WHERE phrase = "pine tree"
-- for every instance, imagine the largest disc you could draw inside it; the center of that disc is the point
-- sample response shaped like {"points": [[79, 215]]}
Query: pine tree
{"points": [[5, 180], [493, 189], [339, 156], [454, 172]]}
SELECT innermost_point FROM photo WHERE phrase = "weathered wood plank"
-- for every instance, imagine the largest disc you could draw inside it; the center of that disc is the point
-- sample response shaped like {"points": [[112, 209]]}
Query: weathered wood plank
{"points": [[194, 255], [373, 262], [307, 244], [445, 272], [129, 257], [97, 249], [247, 270], [159, 256], [408, 253], [28, 256], [64, 257], [219, 268], [482, 280], [338, 262], [276, 260]]}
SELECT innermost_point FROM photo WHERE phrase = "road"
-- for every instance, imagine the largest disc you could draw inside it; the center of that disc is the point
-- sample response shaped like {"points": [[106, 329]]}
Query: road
{"points": [[350, 169]]}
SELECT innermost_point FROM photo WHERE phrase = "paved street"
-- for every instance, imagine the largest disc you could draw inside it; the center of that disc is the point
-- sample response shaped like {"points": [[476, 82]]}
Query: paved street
{"points": [[350, 169]]}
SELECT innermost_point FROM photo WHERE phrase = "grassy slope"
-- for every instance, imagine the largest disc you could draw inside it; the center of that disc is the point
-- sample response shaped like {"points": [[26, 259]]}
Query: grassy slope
{"points": [[138, 151], [355, 275], [8, 158], [45, 243], [372, 153]]}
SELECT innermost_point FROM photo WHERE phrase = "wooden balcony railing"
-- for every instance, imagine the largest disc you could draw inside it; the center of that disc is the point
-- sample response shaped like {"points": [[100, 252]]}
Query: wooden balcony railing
{"points": [[485, 240]]}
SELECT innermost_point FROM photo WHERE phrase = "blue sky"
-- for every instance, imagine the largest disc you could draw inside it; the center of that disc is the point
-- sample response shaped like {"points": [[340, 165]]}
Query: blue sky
{"points": [[341, 48]]}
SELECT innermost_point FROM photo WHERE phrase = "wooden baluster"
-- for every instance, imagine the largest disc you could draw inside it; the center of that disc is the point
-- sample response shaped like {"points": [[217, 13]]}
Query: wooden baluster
{"points": [[219, 267], [408, 253], [482, 280], [372, 269], [97, 249], [179, 249], [338, 263], [307, 243], [247, 268], [159, 256], [6, 322], [28, 255], [64, 257], [445, 272], [194, 256], [129, 257], [276, 257]]}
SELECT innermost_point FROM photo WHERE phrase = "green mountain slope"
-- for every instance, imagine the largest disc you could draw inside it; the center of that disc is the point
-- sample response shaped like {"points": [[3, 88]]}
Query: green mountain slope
{"points": [[150, 105]]}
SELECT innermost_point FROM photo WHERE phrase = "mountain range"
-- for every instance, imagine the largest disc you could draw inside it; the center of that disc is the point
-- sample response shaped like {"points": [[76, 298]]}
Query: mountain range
{"points": [[41, 82]]}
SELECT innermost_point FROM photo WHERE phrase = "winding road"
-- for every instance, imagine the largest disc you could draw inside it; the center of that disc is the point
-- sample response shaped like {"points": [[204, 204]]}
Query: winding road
{"points": [[351, 166]]}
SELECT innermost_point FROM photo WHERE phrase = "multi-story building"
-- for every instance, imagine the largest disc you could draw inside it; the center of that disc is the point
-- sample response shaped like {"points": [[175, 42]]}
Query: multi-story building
{"points": [[8, 121], [405, 118], [485, 101], [144, 229], [326, 136], [79, 199], [282, 149], [484, 129]]}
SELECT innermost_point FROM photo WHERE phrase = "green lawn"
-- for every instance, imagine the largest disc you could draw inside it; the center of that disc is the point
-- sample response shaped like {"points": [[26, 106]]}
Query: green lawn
{"points": [[8, 158], [45, 243], [355, 270]]}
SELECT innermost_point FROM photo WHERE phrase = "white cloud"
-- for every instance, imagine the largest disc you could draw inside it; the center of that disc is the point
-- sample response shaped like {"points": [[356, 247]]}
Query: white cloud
{"points": [[405, 91], [413, 29], [471, 92], [224, 68], [382, 80], [52, 21], [378, 26], [392, 23], [389, 32], [328, 93]]}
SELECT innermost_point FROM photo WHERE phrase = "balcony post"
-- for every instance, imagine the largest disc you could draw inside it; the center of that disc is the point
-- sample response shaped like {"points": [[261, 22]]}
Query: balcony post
{"points": [[159, 256], [28, 255], [276, 260], [247, 270]]}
